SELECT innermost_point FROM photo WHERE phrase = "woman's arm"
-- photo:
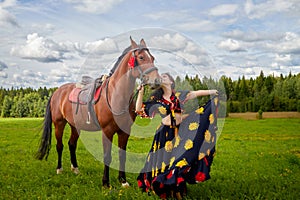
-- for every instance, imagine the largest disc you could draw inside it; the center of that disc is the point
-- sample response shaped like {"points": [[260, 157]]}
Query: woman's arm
{"points": [[139, 100], [198, 93]]}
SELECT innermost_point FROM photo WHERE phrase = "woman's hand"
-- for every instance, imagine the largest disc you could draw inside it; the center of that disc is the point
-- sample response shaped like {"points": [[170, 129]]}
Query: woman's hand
{"points": [[140, 88], [213, 92]]}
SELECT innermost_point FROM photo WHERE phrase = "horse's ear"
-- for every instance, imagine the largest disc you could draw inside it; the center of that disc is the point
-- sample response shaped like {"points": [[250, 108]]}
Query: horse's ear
{"points": [[143, 43], [133, 43]]}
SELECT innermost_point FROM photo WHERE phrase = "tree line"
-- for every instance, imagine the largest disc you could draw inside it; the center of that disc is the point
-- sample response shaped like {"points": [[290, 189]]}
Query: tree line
{"points": [[263, 93]]}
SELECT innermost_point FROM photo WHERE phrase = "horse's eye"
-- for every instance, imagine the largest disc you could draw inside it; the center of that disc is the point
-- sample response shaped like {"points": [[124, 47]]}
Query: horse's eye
{"points": [[141, 58]]}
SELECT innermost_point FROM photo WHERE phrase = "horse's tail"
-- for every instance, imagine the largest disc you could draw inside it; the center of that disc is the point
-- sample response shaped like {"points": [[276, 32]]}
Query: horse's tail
{"points": [[45, 143]]}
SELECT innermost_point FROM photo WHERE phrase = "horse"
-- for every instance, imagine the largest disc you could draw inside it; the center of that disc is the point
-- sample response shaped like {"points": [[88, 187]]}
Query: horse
{"points": [[114, 110]]}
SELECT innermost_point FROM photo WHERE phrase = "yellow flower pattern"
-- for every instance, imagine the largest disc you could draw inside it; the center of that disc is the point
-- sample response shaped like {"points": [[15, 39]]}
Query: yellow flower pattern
{"points": [[208, 152], [163, 167], [162, 110], [172, 161], [181, 163], [188, 144], [154, 146], [200, 110], [168, 146], [177, 141], [207, 136], [201, 156], [211, 118], [177, 94], [193, 126], [216, 100]]}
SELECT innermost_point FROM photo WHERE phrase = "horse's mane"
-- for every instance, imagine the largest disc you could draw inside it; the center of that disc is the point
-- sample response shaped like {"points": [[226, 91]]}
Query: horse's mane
{"points": [[121, 57], [119, 60]]}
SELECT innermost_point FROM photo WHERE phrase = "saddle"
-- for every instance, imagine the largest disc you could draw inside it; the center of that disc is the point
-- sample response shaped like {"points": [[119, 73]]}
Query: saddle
{"points": [[84, 96]]}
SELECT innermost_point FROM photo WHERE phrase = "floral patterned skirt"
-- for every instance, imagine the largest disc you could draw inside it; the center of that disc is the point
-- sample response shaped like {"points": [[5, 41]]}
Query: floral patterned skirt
{"points": [[181, 155]]}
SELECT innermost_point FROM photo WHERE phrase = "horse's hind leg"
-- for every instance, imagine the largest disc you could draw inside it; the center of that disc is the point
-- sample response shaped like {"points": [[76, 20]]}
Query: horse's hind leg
{"points": [[59, 130], [72, 147], [122, 143]]}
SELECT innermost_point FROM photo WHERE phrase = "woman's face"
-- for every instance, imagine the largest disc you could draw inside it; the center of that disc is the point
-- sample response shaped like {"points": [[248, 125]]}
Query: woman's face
{"points": [[165, 80]]}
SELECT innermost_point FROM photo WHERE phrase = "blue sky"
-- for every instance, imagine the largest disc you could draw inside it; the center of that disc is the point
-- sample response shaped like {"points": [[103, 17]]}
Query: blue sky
{"points": [[50, 42]]}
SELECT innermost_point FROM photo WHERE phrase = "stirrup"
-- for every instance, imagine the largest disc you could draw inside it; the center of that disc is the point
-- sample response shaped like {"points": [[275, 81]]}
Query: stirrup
{"points": [[88, 119]]}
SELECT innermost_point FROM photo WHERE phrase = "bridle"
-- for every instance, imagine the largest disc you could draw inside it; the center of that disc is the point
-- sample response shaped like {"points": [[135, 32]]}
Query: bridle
{"points": [[132, 64]]}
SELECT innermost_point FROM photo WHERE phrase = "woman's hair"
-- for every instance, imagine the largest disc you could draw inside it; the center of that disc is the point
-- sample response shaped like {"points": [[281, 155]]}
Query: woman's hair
{"points": [[158, 93]]}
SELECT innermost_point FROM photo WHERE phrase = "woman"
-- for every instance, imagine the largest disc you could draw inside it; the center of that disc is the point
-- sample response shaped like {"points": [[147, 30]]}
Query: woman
{"points": [[182, 148]]}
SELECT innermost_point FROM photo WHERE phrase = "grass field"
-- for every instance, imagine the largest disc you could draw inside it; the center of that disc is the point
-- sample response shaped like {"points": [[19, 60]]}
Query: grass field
{"points": [[256, 159]]}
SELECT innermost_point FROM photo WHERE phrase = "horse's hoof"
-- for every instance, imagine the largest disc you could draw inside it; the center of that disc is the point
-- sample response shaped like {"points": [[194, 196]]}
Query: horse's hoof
{"points": [[75, 170], [107, 186], [125, 185], [59, 171]]}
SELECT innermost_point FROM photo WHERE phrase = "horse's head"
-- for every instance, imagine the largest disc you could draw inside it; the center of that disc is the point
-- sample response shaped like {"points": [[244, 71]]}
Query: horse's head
{"points": [[141, 63]]}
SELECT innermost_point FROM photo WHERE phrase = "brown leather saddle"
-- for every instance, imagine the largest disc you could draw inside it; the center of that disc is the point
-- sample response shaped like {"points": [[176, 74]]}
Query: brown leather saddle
{"points": [[84, 96]]}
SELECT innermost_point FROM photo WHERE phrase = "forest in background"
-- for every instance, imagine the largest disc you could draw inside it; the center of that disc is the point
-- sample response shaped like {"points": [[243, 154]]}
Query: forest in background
{"points": [[265, 93]]}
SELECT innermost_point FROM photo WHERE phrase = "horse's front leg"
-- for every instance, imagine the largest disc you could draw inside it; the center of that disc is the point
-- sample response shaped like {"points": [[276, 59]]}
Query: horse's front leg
{"points": [[72, 147], [122, 143], [107, 144]]}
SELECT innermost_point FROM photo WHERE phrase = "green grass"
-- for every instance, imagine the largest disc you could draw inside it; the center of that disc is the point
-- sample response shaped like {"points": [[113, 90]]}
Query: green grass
{"points": [[256, 159]]}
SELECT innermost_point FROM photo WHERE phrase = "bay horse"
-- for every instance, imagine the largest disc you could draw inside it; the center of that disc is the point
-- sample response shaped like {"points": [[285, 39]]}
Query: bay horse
{"points": [[114, 110]]}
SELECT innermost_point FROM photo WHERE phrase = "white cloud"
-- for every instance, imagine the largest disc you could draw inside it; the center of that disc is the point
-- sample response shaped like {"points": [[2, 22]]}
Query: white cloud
{"points": [[168, 15], [5, 16], [256, 11], [2, 66], [290, 44], [170, 42], [283, 58], [7, 19], [224, 9], [231, 45], [196, 25], [8, 3], [94, 6], [3, 74], [40, 49], [252, 36], [186, 51], [101, 47]]}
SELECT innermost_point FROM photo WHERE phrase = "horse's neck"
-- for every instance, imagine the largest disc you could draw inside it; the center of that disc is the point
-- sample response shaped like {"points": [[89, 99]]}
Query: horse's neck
{"points": [[122, 82]]}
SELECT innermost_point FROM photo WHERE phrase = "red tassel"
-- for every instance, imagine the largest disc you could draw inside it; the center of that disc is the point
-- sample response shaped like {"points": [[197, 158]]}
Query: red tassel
{"points": [[131, 62]]}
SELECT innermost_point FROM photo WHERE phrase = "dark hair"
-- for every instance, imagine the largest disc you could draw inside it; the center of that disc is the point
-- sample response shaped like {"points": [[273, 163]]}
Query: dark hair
{"points": [[158, 93]]}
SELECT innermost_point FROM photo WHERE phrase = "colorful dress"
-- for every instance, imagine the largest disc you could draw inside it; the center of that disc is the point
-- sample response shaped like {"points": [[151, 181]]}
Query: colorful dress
{"points": [[179, 154]]}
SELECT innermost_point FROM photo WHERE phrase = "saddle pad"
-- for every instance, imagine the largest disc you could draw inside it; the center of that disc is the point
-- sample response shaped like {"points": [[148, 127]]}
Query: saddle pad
{"points": [[75, 98]]}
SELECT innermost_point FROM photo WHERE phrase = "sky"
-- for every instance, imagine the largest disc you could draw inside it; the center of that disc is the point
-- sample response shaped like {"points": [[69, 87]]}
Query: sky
{"points": [[51, 42]]}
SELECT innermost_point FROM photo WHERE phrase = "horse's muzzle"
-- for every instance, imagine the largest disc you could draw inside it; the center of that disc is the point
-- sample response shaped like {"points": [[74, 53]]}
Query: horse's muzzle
{"points": [[156, 83]]}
